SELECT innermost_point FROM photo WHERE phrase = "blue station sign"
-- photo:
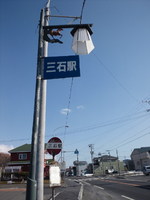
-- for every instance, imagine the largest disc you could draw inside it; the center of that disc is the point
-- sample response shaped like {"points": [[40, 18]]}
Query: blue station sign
{"points": [[61, 67]]}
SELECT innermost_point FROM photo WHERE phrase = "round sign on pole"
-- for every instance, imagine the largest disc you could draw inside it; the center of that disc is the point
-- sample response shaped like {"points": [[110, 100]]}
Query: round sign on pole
{"points": [[54, 146]]}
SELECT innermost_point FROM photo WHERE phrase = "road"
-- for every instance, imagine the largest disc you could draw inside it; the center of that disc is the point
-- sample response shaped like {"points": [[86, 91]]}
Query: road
{"points": [[132, 188], [81, 188]]}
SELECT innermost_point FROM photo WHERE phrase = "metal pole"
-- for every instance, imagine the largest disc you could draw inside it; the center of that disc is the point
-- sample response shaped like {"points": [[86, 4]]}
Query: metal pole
{"points": [[53, 193], [53, 189], [31, 182], [41, 136], [78, 164]]}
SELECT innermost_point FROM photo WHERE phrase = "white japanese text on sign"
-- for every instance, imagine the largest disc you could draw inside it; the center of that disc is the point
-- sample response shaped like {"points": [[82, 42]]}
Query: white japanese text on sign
{"points": [[61, 67], [54, 146]]}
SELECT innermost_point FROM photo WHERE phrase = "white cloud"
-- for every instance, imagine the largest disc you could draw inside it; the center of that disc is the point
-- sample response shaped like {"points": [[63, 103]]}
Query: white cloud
{"points": [[5, 148], [65, 111], [80, 107]]}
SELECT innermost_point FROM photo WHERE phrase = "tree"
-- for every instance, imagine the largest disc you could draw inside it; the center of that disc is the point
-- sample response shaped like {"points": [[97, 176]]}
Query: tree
{"points": [[4, 159]]}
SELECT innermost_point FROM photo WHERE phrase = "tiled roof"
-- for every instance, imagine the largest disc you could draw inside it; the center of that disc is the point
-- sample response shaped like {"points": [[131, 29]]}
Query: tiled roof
{"points": [[141, 150], [23, 148], [144, 149]]}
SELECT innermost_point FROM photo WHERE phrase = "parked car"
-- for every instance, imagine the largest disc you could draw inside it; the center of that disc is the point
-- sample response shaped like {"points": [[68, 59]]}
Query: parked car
{"points": [[88, 175], [146, 170]]}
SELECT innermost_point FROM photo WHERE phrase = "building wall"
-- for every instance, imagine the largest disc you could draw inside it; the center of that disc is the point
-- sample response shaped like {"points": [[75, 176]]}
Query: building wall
{"points": [[140, 159], [18, 156], [101, 170]]}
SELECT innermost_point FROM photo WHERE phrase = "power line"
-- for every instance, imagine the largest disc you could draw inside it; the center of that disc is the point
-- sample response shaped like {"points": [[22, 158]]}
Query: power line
{"points": [[68, 109], [122, 142], [89, 128], [131, 140], [105, 124], [115, 78], [82, 11]]}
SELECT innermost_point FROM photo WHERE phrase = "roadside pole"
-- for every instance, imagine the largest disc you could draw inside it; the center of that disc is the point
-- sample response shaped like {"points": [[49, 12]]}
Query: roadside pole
{"points": [[118, 162], [42, 119], [91, 146], [31, 181]]}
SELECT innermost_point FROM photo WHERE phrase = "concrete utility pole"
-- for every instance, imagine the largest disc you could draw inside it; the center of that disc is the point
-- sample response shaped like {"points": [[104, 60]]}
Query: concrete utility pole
{"points": [[118, 161], [91, 146], [32, 182], [36, 177], [109, 158], [42, 119]]}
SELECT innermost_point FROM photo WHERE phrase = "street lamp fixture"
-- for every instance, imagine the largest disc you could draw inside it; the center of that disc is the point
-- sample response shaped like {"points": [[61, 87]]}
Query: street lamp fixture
{"points": [[82, 42]]}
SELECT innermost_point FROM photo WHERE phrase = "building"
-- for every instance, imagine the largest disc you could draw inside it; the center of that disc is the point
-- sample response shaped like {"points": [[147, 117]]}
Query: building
{"points": [[141, 157], [20, 160], [80, 167], [128, 165], [107, 164]]}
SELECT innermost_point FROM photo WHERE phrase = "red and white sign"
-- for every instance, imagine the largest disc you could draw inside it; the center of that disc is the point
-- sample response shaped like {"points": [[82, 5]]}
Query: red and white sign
{"points": [[54, 146]]}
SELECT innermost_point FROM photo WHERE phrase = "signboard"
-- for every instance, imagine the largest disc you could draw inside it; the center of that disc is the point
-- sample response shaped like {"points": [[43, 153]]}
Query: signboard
{"points": [[54, 146], [61, 67], [76, 151], [54, 176]]}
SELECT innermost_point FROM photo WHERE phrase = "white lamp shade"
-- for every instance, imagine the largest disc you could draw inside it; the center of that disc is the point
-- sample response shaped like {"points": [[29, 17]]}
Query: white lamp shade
{"points": [[82, 42]]}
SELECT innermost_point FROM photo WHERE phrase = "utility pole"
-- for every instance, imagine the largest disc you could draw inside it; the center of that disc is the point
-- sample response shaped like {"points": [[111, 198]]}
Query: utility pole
{"points": [[32, 182], [42, 119], [91, 146], [109, 158], [36, 176], [118, 161]]}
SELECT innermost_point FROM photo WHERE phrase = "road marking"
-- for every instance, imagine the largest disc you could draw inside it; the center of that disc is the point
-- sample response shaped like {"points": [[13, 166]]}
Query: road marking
{"points": [[12, 189], [81, 192], [127, 197], [55, 196], [123, 183], [86, 183], [99, 187]]}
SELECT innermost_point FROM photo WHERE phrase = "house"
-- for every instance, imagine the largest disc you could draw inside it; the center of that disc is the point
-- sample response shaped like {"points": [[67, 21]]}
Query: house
{"points": [[20, 160], [107, 164], [141, 157]]}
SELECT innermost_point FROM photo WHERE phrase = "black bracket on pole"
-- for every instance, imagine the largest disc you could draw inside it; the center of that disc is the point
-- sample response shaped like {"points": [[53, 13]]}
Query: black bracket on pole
{"points": [[49, 30]]}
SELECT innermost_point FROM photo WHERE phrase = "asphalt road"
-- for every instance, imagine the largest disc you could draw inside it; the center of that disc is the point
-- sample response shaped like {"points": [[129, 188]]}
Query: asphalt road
{"points": [[132, 188], [107, 188]]}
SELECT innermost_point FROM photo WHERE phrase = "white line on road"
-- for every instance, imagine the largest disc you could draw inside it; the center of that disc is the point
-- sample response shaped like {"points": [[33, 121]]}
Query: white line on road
{"points": [[86, 183], [55, 196], [99, 187], [127, 197], [81, 192]]}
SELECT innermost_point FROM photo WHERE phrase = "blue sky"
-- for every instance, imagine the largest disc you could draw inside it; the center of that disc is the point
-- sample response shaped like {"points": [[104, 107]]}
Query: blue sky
{"points": [[109, 102]]}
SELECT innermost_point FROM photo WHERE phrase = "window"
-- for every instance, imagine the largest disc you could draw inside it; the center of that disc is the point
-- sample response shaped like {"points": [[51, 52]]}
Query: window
{"points": [[22, 156]]}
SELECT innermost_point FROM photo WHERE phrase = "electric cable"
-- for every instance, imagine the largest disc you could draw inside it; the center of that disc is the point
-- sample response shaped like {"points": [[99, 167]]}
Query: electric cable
{"points": [[131, 141], [115, 78], [92, 127], [120, 143], [82, 11], [69, 102]]}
